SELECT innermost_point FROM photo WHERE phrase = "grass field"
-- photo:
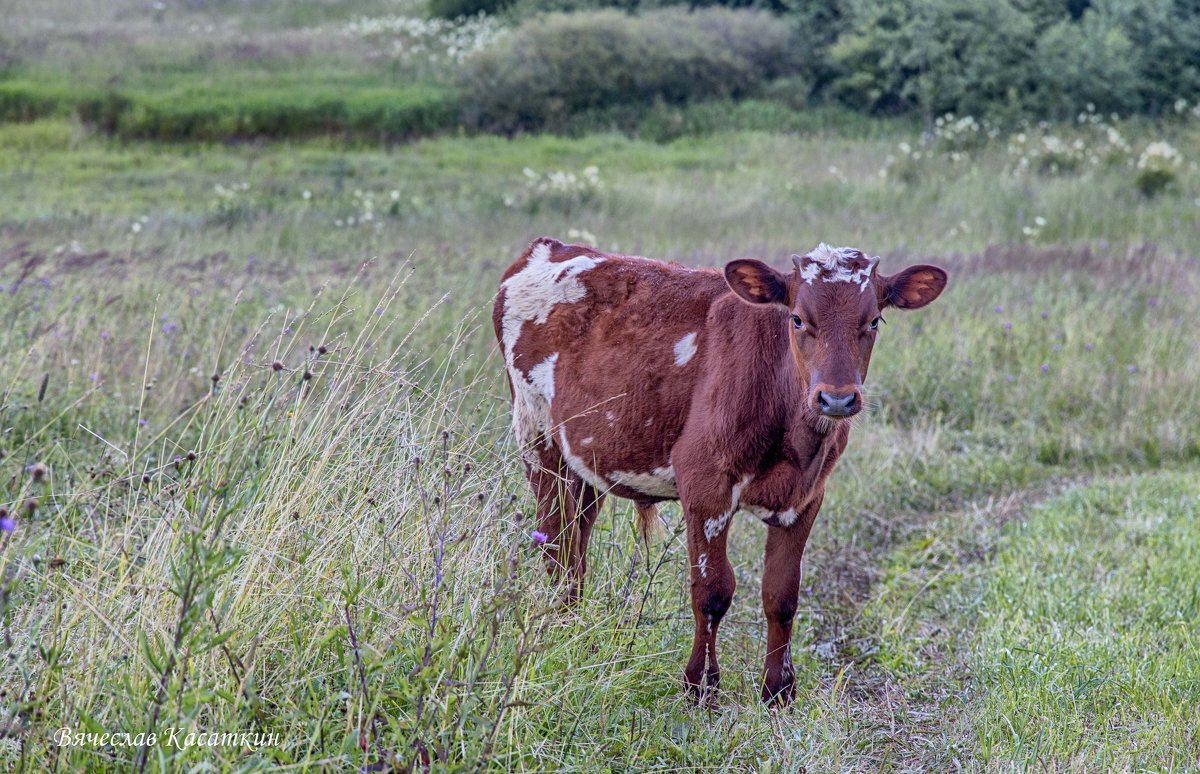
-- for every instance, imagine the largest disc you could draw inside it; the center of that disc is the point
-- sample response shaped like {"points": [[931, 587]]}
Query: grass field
{"points": [[256, 459]]}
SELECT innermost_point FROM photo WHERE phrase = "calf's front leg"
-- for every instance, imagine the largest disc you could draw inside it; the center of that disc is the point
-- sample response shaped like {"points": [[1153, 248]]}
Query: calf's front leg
{"points": [[780, 595], [712, 586]]}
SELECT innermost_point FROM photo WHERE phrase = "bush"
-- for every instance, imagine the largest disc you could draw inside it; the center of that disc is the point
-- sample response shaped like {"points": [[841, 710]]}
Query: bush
{"points": [[383, 114], [938, 56], [452, 9], [27, 101], [559, 65], [1087, 62]]}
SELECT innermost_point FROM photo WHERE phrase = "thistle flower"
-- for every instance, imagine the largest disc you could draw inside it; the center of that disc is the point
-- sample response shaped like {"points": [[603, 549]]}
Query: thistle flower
{"points": [[539, 537]]}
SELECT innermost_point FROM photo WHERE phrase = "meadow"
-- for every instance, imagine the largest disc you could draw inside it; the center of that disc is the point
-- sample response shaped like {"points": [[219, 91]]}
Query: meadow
{"points": [[258, 476]]}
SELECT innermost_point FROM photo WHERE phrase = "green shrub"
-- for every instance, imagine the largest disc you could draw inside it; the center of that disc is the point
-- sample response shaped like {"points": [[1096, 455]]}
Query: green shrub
{"points": [[384, 114], [27, 101], [1086, 62], [937, 56], [452, 9], [559, 65]]}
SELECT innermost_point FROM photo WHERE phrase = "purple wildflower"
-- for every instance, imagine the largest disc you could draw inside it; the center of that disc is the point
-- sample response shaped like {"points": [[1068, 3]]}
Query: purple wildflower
{"points": [[1152, 301], [999, 309], [1008, 326], [170, 327], [1131, 368], [1045, 368], [539, 537], [1089, 347], [8, 523]]}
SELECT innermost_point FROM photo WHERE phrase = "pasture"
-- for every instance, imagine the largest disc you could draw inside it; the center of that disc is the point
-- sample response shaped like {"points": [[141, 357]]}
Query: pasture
{"points": [[259, 476]]}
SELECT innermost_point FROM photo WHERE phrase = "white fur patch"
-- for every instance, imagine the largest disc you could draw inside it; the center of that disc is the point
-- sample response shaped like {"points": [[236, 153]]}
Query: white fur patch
{"points": [[685, 349], [576, 463], [787, 518], [541, 376], [837, 265], [587, 441], [659, 483], [531, 294], [702, 563], [611, 417], [717, 525]]}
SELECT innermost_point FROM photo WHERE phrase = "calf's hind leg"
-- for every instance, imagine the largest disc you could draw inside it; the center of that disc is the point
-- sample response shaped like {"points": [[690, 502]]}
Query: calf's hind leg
{"points": [[566, 512]]}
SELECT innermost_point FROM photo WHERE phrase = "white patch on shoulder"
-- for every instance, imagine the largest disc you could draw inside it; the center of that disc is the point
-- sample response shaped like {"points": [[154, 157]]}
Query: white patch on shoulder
{"points": [[576, 463], [659, 483], [715, 526], [531, 294], [685, 349], [837, 264]]}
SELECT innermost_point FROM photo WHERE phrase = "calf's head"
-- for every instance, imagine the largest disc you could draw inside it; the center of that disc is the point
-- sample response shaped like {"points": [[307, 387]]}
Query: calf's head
{"points": [[835, 297]]}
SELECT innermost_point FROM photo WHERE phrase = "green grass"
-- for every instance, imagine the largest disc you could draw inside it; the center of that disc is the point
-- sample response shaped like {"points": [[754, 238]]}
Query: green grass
{"points": [[1088, 655]]}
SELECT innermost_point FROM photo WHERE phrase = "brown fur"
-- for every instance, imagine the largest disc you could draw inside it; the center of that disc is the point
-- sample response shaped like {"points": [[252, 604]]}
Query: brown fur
{"points": [[736, 420]]}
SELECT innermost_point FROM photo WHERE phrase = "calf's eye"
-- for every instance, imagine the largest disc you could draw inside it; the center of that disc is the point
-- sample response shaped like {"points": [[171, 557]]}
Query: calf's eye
{"points": [[875, 323], [797, 323]]}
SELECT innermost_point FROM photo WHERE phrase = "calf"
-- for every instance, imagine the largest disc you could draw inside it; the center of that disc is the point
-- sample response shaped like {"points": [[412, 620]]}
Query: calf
{"points": [[725, 390]]}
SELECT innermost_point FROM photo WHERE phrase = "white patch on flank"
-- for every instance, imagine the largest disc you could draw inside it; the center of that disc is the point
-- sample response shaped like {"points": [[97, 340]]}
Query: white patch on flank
{"points": [[576, 463], [702, 563], [659, 483], [685, 349], [836, 262], [531, 294], [541, 376], [787, 518], [715, 526]]}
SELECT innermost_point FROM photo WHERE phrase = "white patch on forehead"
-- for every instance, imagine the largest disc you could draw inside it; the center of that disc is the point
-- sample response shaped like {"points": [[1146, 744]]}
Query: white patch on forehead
{"points": [[837, 264], [531, 294], [658, 483], [685, 349], [715, 526], [576, 463]]}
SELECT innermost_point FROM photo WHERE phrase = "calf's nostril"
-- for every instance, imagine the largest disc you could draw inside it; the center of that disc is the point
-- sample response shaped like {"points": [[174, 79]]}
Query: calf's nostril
{"points": [[836, 405]]}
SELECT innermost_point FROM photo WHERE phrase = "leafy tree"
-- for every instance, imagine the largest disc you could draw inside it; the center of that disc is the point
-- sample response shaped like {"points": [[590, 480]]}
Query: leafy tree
{"points": [[934, 55]]}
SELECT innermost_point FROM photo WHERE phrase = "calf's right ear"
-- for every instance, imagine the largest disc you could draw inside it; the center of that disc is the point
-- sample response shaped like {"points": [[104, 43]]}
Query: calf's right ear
{"points": [[756, 282]]}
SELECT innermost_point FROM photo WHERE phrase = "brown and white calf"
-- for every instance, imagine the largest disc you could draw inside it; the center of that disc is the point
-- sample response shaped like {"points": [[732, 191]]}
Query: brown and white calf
{"points": [[727, 391]]}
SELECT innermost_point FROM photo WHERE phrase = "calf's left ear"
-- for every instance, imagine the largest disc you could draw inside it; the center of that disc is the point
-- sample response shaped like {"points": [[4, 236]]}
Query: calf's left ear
{"points": [[912, 288], [756, 282]]}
